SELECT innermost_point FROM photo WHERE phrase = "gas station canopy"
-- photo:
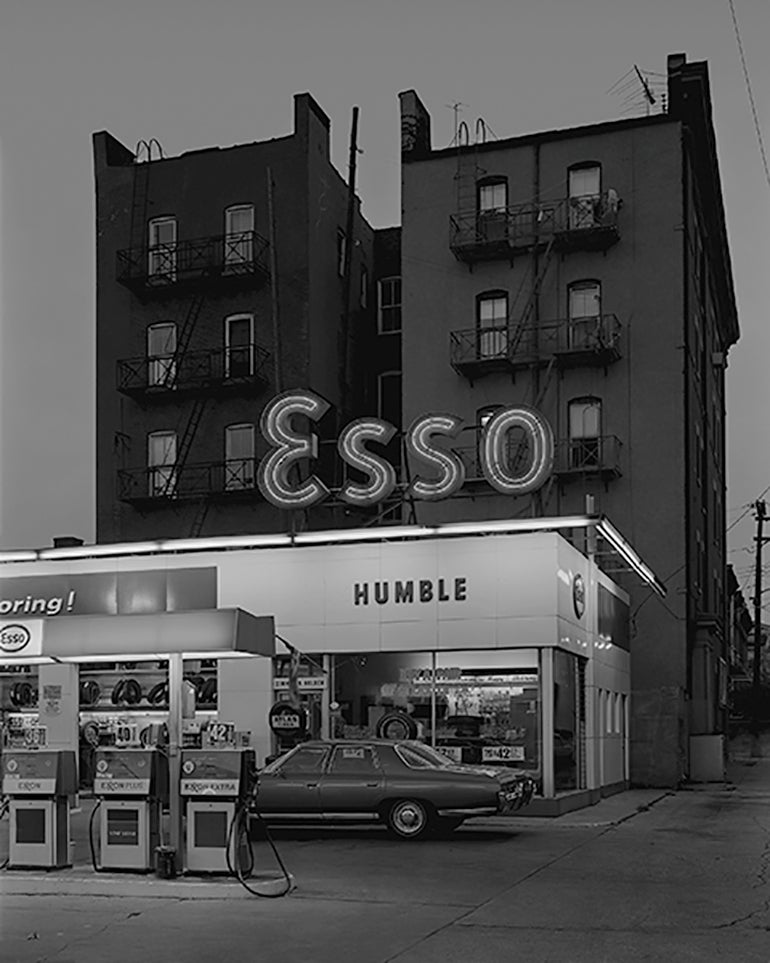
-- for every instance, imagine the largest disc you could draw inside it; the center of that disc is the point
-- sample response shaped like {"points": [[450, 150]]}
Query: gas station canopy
{"points": [[200, 634]]}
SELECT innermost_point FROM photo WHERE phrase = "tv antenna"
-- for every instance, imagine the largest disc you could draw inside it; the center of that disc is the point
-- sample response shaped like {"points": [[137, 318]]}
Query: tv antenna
{"points": [[456, 109], [640, 89]]}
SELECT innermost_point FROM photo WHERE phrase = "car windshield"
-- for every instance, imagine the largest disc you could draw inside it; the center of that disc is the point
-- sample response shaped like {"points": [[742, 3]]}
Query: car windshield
{"points": [[428, 753], [299, 759]]}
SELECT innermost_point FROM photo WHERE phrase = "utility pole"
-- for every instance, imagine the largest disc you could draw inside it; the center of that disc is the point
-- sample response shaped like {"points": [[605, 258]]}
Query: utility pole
{"points": [[761, 510], [346, 361]]}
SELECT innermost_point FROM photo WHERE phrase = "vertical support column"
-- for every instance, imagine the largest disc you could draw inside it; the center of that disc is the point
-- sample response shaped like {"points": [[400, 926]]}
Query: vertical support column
{"points": [[244, 697], [175, 676], [326, 697], [433, 698], [546, 708], [59, 704], [593, 746]]}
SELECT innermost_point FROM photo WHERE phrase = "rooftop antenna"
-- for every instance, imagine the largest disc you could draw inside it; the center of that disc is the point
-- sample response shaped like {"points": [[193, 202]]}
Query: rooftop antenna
{"points": [[456, 109], [648, 94], [637, 90]]}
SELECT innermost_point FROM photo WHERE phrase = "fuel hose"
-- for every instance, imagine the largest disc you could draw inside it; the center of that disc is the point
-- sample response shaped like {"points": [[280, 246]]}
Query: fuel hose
{"points": [[238, 835]]}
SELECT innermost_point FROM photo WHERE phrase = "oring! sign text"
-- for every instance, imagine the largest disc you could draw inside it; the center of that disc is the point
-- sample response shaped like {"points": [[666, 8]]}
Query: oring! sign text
{"points": [[436, 472]]}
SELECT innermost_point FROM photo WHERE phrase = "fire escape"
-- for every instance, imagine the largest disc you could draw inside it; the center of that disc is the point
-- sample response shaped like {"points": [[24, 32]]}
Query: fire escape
{"points": [[522, 340], [189, 270]]}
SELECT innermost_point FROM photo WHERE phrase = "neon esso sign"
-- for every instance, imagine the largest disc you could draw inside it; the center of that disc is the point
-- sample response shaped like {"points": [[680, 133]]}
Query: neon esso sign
{"points": [[437, 472]]}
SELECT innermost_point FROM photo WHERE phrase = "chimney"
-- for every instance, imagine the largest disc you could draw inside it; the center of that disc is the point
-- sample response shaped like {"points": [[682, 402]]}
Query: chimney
{"points": [[415, 126]]}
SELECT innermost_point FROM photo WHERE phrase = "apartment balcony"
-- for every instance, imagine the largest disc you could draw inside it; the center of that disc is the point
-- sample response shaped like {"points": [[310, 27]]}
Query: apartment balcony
{"points": [[573, 458], [226, 261], [573, 224], [166, 485], [582, 457], [242, 370], [571, 342]]}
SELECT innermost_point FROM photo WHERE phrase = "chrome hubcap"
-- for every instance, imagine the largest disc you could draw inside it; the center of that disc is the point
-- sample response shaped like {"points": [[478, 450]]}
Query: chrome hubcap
{"points": [[409, 818]]}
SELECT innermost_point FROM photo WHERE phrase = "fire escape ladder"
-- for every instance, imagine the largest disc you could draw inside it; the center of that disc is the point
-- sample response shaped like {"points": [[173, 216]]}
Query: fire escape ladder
{"points": [[185, 336], [140, 195], [199, 518], [466, 176], [185, 442], [529, 307]]}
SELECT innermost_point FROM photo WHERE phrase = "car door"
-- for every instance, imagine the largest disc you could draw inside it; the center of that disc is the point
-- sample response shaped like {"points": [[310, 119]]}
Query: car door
{"points": [[353, 781], [291, 785]]}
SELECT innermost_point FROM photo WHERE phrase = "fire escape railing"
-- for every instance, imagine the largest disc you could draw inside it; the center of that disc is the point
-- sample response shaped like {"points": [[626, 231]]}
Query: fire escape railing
{"points": [[513, 343], [163, 483], [224, 257], [586, 222], [243, 366]]}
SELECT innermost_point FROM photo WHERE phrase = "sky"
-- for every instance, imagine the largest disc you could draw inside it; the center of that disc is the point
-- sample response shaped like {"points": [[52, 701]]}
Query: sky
{"points": [[195, 74]]}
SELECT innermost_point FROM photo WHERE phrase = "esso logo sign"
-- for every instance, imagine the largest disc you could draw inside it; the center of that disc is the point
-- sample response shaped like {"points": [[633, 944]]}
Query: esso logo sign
{"points": [[14, 638], [436, 472]]}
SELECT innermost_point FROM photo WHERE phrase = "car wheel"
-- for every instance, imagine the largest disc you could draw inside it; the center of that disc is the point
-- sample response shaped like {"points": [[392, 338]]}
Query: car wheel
{"points": [[409, 819]]}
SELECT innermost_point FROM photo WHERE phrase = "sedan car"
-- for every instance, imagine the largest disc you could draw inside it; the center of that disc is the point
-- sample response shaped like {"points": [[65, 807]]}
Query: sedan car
{"points": [[409, 786]]}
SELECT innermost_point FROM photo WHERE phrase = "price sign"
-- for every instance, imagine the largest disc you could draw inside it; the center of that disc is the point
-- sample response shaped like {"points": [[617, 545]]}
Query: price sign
{"points": [[126, 734], [36, 737], [219, 734], [502, 754]]}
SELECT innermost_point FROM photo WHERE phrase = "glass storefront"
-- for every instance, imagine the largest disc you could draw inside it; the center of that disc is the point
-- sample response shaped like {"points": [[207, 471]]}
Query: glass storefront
{"points": [[475, 706], [568, 721]]}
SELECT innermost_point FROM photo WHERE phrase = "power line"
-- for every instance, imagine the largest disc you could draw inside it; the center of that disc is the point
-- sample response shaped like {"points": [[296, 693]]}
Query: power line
{"points": [[750, 92]]}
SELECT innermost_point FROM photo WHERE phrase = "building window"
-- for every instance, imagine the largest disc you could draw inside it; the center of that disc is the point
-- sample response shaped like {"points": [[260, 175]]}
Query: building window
{"points": [[389, 397], [363, 297], [162, 249], [239, 346], [585, 418], [239, 457], [585, 312], [492, 324], [492, 199], [492, 195], [389, 304], [161, 347], [341, 252], [585, 184], [161, 462], [239, 235]]}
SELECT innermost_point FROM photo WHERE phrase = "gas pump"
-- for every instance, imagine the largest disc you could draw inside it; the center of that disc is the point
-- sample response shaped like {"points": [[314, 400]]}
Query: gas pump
{"points": [[131, 784], [39, 784], [215, 781]]}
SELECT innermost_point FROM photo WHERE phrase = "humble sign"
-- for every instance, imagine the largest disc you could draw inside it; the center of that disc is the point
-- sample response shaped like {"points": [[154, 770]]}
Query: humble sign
{"points": [[441, 472]]}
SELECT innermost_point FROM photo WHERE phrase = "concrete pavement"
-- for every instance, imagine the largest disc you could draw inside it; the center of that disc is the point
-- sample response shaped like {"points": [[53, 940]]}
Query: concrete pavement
{"points": [[646, 875]]}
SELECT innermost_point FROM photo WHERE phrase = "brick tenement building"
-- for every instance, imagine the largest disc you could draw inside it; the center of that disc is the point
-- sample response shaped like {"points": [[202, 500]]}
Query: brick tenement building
{"points": [[586, 272], [224, 276]]}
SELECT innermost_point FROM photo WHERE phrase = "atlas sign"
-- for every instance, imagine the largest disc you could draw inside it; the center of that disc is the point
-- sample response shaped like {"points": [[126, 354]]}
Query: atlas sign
{"points": [[436, 472]]}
